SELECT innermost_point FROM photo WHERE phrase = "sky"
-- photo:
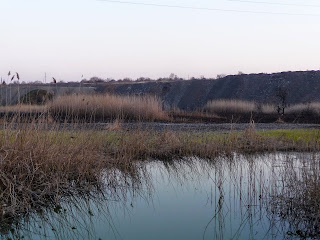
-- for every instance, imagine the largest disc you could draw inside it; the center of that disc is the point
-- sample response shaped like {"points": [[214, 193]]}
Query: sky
{"points": [[69, 38]]}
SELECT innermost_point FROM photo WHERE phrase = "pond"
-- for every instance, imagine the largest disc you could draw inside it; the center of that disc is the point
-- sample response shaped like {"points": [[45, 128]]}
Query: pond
{"points": [[272, 196]]}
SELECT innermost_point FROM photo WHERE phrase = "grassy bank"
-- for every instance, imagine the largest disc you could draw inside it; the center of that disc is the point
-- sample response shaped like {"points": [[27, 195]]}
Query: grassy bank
{"points": [[40, 166]]}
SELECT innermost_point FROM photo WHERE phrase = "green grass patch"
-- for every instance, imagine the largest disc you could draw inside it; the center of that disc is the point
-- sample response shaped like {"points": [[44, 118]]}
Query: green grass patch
{"points": [[296, 135]]}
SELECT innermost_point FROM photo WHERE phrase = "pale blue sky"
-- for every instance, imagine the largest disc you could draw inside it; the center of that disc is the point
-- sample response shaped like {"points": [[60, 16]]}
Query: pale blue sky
{"points": [[68, 38]]}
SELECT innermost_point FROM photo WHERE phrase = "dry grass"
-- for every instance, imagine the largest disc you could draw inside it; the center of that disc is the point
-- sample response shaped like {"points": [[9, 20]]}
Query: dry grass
{"points": [[25, 108], [93, 108], [224, 106], [105, 107], [179, 115], [313, 107], [39, 165], [246, 107], [297, 202], [268, 108], [230, 106]]}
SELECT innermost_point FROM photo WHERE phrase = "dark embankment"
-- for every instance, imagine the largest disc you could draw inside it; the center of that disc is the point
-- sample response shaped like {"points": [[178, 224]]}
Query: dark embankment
{"points": [[301, 87]]}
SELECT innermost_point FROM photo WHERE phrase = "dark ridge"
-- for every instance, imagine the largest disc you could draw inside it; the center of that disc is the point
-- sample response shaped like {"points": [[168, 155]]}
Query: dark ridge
{"points": [[302, 87]]}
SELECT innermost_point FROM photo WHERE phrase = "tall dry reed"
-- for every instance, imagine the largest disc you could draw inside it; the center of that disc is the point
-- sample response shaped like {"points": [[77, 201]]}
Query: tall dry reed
{"points": [[105, 107], [230, 106], [44, 163], [312, 107], [224, 106]]}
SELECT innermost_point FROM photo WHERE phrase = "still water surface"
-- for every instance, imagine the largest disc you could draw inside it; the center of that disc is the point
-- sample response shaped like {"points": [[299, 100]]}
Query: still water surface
{"points": [[236, 198]]}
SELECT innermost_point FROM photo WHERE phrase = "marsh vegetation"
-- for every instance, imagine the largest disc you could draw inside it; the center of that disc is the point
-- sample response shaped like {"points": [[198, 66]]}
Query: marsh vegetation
{"points": [[241, 110], [52, 163], [91, 108]]}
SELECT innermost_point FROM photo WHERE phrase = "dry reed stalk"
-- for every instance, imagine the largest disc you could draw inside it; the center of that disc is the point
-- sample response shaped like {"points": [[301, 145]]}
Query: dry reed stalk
{"points": [[312, 107], [23, 108], [40, 163], [100, 107], [296, 203], [226, 106], [116, 125], [230, 106]]}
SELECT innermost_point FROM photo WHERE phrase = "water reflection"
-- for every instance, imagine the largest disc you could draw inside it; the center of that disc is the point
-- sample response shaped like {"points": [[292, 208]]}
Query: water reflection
{"points": [[274, 196]]}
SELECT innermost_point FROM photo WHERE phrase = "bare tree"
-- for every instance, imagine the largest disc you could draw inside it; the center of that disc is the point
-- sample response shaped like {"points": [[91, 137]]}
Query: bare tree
{"points": [[173, 76], [219, 76], [282, 95]]}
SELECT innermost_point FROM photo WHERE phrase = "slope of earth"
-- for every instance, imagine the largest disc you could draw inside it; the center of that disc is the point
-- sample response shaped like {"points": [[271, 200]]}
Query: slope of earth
{"points": [[301, 87]]}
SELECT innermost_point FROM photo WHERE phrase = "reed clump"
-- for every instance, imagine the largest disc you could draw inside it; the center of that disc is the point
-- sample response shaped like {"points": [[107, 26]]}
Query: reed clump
{"points": [[297, 202], [230, 106], [23, 108], [105, 107], [236, 106], [308, 108], [38, 167]]}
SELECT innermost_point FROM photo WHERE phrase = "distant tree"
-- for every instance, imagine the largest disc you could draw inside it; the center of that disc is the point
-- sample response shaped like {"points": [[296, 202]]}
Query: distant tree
{"points": [[96, 80], [143, 79], [173, 76], [219, 76], [36, 82], [127, 79], [282, 95]]}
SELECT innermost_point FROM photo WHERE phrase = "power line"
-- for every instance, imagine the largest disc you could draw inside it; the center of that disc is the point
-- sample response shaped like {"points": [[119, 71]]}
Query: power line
{"points": [[209, 9], [274, 3]]}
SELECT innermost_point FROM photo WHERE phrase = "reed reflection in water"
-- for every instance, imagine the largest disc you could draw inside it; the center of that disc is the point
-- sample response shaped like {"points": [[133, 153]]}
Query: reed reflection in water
{"points": [[273, 196]]}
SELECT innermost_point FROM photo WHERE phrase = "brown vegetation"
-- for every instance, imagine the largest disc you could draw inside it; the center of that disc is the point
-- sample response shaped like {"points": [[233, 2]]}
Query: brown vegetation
{"points": [[244, 111], [312, 108], [234, 106], [224, 106], [106, 107], [40, 164], [297, 202], [25, 108]]}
